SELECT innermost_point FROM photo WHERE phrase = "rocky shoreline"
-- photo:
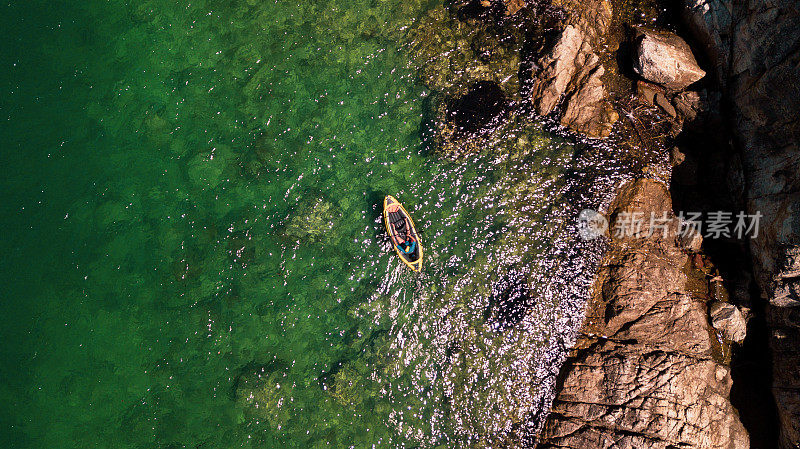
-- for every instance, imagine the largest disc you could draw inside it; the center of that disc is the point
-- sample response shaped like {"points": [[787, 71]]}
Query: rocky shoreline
{"points": [[636, 387], [660, 348], [648, 369]]}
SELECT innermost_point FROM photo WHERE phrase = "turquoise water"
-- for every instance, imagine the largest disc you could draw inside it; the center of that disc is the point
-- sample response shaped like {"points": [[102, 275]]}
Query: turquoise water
{"points": [[193, 250]]}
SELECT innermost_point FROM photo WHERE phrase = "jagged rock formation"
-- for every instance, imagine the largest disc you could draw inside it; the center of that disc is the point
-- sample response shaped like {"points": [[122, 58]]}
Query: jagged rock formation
{"points": [[645, 373], [571, 73], [753, 46]]}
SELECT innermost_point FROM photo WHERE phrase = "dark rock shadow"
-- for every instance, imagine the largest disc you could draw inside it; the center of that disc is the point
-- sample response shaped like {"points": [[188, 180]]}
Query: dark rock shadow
{"points": [[480, 109], [510, 299]]}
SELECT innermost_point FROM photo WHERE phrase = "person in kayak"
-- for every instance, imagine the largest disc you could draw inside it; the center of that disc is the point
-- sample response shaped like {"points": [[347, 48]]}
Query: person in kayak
{"points": [[407, 245]]}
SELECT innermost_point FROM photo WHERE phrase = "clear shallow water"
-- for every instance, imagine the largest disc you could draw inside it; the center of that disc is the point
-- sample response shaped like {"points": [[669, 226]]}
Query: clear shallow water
{"points": [[194, 256]]}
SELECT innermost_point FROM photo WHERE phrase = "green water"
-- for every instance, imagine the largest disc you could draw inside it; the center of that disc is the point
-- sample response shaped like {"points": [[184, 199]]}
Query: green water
{"points": [[193, 255]]}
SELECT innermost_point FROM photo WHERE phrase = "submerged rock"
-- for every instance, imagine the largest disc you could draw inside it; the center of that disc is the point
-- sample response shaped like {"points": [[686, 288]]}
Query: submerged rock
{"points": [[729, 321], [452, 55], [348, 387], [207, 169], [312, 221], [478, 109], [664, 58], [264, 394]]}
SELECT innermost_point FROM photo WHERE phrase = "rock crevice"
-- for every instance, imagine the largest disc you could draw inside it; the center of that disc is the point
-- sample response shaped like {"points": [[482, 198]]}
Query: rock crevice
{"points": [[755, 49]]}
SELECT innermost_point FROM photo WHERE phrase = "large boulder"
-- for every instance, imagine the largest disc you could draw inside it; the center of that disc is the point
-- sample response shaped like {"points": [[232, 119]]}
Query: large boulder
{"points": [[570, 72], [644, 372], [664, 58]]}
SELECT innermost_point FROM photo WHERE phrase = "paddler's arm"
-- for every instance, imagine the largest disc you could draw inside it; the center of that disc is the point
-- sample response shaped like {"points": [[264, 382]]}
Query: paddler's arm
{"points": [[397, 240]]}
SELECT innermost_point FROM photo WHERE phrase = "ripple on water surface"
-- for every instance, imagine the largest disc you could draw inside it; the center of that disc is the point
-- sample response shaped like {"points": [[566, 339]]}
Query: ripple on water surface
{"points": [[222, 277]]}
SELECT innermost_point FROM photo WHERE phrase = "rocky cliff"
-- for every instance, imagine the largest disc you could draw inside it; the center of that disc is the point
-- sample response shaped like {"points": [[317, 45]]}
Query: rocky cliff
{"points": [[648, 369], [626, 374], [754, 47]]}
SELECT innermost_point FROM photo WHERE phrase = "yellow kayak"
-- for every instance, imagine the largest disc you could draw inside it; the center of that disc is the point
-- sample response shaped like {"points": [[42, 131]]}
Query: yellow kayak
{"points": [[402, 233]]}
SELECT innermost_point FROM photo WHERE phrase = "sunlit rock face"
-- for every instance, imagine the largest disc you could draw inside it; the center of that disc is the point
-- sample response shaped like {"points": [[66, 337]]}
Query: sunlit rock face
{"points": [[666, 59], [569, 74], [645, 371]]}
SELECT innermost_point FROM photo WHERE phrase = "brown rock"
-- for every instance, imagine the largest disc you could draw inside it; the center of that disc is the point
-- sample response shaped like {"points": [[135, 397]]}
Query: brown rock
{"points": [[571, 72], [647, 91], [729, 321], [676, 156], [623, 398], [588, 110], [666, 59], [665, 105], [643, 374], [558, 68], [513, 6]]}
